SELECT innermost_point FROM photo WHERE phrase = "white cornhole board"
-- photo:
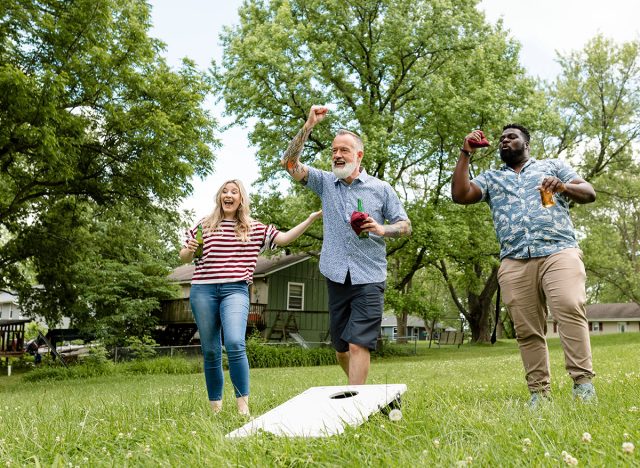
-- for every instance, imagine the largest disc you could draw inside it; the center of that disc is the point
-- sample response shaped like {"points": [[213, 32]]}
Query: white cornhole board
{"points": [[323, 411]]}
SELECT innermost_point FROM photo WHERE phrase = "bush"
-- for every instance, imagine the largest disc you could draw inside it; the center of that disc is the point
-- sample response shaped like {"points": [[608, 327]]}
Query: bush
{"points": [[94, 366], [162, 365], [387, 349], [141, 348], [261, 355]]}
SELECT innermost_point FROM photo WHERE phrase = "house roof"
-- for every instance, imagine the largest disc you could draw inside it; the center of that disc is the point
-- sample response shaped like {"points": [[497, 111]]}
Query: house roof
{"points": [[264, 267], [614, 311], [392, 321]]}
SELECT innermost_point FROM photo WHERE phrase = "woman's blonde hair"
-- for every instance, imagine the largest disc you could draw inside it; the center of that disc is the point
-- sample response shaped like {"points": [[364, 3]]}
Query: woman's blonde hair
{"points": [[243, 225]]}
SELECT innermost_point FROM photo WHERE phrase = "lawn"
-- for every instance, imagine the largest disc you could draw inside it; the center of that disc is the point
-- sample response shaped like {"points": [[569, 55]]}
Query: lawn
{"points": [[463, 407]]}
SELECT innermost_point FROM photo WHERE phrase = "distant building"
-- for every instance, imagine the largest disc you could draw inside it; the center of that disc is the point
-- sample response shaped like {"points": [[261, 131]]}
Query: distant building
{"points": [[416, 328], [9, 307], [10, 310], [606, 318]]}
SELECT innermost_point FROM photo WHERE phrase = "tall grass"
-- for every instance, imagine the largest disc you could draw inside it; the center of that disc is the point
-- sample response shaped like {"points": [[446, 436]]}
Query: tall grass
{"points": [[463, 406]]}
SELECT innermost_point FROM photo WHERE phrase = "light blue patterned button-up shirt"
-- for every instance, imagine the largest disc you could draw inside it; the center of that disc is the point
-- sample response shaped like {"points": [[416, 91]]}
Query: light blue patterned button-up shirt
{"points": [[342, 249], [524, 227]]}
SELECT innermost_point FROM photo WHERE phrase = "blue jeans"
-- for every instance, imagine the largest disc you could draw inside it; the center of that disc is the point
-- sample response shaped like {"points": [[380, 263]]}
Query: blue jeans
{"points": [[224, 307]]}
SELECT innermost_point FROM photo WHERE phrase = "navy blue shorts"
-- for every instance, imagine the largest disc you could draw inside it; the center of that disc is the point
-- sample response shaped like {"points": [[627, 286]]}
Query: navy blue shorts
{"points": [[355, 313]]}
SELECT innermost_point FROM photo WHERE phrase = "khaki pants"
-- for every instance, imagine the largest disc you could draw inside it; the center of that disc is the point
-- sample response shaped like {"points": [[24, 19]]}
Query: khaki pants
{"points": [[528, 287]]}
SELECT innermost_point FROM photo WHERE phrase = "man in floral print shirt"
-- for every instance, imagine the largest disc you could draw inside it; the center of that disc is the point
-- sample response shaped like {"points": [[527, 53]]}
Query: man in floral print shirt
{"points": [[541, 264]]}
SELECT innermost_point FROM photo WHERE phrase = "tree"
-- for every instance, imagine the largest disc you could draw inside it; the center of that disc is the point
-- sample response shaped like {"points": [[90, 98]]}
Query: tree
{"points": [[93, 123], [411, 77], [597, 97], [612, 246], [111, 274]]}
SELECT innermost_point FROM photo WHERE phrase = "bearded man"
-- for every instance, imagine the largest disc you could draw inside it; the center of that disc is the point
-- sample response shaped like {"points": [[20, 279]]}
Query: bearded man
{"points": [[541, 265], [355, 267]]}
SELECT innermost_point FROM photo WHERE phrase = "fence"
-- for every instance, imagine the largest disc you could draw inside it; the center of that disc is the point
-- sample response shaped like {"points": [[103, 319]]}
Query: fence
{"points": [[401, 340], [121, 354]]}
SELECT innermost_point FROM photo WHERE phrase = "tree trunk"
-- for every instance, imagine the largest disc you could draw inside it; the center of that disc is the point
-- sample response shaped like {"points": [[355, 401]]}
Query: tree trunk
{"points": [[401, 327], [479, 318], [479, 311]]}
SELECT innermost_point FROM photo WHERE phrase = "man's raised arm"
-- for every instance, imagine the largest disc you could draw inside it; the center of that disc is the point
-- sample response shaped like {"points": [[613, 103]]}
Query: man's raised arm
{"points": [[462, 190], [291, 158]]}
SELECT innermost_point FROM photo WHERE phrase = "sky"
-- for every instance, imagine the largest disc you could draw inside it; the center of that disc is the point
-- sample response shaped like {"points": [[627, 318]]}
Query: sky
{"points": [[191, 28]]}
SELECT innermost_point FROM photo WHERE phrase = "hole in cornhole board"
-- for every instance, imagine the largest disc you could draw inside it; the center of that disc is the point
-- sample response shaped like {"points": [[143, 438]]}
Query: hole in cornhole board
{"points": [[341, 395]]}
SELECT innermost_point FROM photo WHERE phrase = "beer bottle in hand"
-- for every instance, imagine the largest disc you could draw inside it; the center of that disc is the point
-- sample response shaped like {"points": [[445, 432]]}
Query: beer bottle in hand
{"points": [[199, 250], [363, 234]]}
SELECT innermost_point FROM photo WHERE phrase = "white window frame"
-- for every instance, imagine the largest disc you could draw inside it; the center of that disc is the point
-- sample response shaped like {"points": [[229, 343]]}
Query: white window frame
{"points": [[289, 284], [622, 327], [595, 327]]}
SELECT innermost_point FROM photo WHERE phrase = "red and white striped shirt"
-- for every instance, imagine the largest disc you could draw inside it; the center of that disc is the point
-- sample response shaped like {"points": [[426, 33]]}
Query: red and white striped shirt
{"points": [[226, 258]]}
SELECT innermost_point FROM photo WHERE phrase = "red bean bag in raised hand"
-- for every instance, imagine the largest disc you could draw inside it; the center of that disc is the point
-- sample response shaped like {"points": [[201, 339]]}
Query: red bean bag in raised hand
{"points": [[482, 143], [357, 218]]}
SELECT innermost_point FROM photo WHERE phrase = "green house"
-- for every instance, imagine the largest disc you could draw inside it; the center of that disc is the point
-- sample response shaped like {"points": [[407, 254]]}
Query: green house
{"points": [[288, 303]]}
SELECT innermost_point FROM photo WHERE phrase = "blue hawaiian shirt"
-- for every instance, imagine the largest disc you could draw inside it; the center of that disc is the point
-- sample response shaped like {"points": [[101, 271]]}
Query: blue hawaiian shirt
{"points": [[524, 227], [342, 249]]}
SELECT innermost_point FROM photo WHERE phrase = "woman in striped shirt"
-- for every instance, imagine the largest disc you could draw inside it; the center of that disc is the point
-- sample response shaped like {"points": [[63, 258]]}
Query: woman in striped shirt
{"points": [[220, 284]]}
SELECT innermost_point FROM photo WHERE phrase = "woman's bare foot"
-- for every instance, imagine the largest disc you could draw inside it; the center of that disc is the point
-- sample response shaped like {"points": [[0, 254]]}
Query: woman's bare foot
{"points": [[243, 405], [216, 405]]}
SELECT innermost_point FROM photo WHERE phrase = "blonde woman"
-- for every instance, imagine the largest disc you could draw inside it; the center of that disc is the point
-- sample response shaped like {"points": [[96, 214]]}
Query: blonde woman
{"points": [[220, 284]]}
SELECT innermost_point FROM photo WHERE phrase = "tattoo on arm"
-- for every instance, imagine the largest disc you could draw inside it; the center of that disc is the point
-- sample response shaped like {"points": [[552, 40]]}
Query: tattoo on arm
{"points": [[399, 229], [291, 157]]}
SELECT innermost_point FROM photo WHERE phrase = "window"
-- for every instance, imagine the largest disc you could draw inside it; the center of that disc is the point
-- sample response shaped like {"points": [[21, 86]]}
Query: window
{"points": [[595, 325], [622, 327], [295, 296]]}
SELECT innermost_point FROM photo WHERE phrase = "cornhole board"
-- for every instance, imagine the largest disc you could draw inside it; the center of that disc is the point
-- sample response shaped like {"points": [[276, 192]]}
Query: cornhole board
{"points": [[324, 411]]}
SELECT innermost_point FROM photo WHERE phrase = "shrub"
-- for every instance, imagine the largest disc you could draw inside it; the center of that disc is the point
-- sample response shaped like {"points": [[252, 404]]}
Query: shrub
{"points": [[388, 349], [261, 355], [93, 366], [162, 365], [141, 348]]}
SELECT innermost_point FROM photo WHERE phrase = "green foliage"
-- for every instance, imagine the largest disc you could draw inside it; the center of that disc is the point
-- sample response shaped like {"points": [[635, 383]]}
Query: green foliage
{"points": [[142, 348], [413, 78], [97, 360], [612, 244], [263, 355], [96, 365], [387, 349], [98, 142], [597, 99], [32, 329], [162, 365]]}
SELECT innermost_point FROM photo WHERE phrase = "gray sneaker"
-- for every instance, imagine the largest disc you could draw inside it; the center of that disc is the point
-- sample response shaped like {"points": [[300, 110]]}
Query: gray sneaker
{"points": [[585, 392], [538, 399]]}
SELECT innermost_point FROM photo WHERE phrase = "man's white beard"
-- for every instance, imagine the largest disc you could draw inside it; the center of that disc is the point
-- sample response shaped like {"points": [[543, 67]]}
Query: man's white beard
{"points": [[344, 171]]}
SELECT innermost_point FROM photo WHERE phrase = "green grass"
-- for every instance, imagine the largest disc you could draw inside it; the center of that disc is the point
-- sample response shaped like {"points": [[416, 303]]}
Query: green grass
{"points": [[470, 400]]}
